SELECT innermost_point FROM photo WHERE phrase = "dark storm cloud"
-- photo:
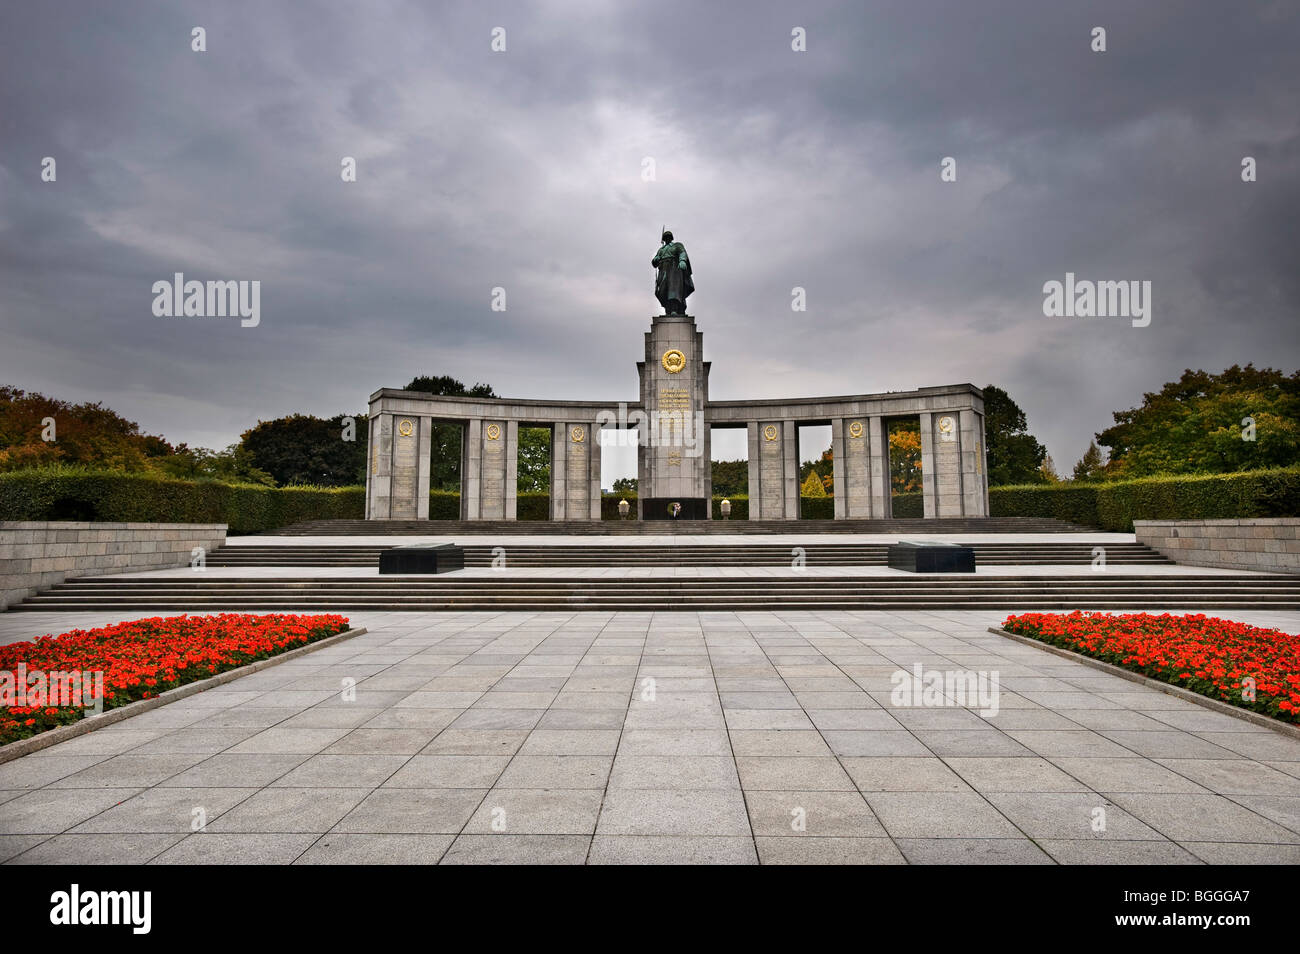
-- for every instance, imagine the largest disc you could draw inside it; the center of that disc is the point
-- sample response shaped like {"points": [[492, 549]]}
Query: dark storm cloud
{"points": [[523, 170]]}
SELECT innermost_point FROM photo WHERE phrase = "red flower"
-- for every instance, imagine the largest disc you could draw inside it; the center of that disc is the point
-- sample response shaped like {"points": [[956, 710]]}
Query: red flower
{"points": [[1210, 656], [142, 658]]}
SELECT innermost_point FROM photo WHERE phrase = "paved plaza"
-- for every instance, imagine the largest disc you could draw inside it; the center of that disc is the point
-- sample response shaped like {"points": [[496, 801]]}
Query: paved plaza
{"points": [[666, 737]]}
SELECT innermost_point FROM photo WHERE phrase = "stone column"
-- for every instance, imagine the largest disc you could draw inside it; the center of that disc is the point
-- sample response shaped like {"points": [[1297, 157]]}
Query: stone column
{"points": [[772, 493], [593, 471], [471, 459], [850, 443], [512, 471], [974, 469], [425, 452], [404, 498], [790, 457], [928, 503], [947, 444], [755, 480], [878, 451], [379, 480], [575, 471], [559, 469], [838, 479], [492, 470]]}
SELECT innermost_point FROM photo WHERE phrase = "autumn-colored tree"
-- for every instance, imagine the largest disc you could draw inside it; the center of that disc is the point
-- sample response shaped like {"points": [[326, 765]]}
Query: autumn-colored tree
{"points": [[813, 486], [823, 467], [904, 457], [37, 430]]}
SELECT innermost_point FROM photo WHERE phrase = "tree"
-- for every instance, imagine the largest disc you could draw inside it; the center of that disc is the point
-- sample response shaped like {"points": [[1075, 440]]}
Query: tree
{"points": [[813, 486], [1014, 455], [823, 467], [87, 433], [444, 463], [534, 456], [447, 385], [1090, 466], [625, 485], [301, 449], [234, 465], [904, 457], [730, 477], [1047, 471], [1242, 419]]}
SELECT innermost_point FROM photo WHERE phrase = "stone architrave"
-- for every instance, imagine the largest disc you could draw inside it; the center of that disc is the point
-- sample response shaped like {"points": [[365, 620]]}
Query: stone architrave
{"points": [[673, 417]]}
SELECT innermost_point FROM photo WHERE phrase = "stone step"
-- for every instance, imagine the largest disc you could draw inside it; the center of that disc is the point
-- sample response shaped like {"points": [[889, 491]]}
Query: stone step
{"points": [[678, 555], [489, 593], [636, 527]]}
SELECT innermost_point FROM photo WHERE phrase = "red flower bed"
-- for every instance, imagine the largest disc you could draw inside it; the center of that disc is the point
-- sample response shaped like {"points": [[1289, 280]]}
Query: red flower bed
{"points": [[144, 657], [1214, 657]]}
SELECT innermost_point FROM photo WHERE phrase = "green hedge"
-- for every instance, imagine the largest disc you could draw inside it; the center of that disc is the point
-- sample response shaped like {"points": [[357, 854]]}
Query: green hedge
{"points": [[609, 506], [1256, 493], [907, 505], [75, 494], [69, 493], [1073, 503], [817, 508], [1114, 506], [444, 505], [533, 506], [739, 507]]}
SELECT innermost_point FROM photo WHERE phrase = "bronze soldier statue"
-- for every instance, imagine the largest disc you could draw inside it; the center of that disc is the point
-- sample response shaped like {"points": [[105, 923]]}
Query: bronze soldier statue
{"points": [[673, 279]]}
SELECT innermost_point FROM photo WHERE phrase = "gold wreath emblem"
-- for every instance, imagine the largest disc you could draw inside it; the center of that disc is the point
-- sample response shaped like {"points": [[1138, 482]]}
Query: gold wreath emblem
{"points": [[769, 432], [494, 432], [945, 424], [674, 361], [855, 429], [405, 428], [578, 434]]}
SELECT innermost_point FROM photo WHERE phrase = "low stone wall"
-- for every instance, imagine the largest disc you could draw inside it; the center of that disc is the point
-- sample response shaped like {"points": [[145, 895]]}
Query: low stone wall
{"points": [[37, 554], [1261, 543]]}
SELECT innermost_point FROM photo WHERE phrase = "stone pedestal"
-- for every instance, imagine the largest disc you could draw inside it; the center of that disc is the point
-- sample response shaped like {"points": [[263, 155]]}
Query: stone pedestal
{"points": [[673, 462]]}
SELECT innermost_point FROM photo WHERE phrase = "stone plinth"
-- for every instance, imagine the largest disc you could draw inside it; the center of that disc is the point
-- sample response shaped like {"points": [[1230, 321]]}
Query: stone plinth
{"points": [[674, 459]]}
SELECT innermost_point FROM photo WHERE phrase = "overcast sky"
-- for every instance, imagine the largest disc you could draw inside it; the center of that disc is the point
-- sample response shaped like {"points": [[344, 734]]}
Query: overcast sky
{"points": [[523, 169]]}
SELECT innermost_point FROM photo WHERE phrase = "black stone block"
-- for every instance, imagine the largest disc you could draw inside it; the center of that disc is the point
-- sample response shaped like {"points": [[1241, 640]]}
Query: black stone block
{"points": [[923, 557], [660, 508], [417, 558]]}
